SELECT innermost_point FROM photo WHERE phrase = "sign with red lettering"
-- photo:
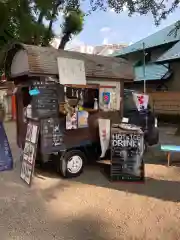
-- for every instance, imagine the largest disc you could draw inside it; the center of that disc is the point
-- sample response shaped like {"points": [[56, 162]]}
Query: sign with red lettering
{"points": [[141, 101]]}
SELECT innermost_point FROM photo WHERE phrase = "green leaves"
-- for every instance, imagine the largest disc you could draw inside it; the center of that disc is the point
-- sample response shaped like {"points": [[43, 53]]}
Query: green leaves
{"points": [[73, 22], [31, 21], [72, 25]]}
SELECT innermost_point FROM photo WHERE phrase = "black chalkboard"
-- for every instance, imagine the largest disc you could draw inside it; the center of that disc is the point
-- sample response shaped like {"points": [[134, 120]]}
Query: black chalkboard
{"points": [[45, 104], [51, 135], [126, 156], [6, 160]]}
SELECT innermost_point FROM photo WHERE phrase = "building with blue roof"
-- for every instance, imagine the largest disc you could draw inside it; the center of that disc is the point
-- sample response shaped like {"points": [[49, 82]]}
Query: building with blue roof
{"points": [[161, 52]]}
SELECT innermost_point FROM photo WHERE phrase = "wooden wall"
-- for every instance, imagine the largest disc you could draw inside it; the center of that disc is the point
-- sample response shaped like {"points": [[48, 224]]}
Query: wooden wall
{"points": [[165, 102]]}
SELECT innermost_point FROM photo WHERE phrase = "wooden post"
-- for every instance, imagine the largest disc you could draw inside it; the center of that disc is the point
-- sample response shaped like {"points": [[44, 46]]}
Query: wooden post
{"points": [[168, 158], [13, 107]]}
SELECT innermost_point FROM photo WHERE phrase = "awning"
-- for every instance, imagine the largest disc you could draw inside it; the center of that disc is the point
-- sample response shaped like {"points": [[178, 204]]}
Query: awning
{"points": [[171, 55], [152, 72]]}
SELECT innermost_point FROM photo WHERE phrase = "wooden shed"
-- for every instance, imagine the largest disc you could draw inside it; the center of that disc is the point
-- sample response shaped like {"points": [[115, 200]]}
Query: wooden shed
{"points": [[27, 62]]}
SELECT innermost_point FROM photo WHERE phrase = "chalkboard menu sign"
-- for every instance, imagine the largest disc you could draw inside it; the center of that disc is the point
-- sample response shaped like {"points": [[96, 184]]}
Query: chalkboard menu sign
{"points": [[6, 160], [29, 153], [45, 104], [127, 153], [52, 135]]}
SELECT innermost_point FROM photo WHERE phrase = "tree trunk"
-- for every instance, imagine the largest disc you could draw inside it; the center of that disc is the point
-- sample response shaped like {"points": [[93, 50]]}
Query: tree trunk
{"points": [[54, 11], [40, 18], [64, 40], [39, 21]]}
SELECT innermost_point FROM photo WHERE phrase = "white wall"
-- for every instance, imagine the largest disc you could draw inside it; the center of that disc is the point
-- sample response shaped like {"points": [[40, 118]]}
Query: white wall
{"points": [[115, 84]]}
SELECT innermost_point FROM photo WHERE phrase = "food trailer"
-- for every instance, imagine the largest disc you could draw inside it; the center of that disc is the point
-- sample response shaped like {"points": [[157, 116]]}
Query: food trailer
{"points": [[62, 115]]}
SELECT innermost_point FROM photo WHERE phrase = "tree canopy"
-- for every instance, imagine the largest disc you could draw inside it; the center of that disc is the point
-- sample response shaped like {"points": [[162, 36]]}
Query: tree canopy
{"points": [[31, 21]]}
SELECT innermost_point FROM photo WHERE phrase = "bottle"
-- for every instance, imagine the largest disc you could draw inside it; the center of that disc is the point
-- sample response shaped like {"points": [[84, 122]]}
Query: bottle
{"points": [[95, 103]]}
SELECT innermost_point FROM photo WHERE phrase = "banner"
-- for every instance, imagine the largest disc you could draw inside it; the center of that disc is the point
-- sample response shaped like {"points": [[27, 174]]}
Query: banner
{"points": [[6, 159], [104, 134], [141, 101]]}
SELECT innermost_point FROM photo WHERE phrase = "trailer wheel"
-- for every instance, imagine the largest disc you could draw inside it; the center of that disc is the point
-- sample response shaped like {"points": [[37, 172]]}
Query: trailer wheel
{"points": [[72, 163]]}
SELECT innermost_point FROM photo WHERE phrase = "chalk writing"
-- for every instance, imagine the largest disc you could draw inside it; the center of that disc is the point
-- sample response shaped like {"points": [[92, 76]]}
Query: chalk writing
{"points": [[45, 104], [51, 135]]}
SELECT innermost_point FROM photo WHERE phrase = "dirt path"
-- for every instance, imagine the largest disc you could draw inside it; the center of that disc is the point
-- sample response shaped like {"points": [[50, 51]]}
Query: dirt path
{"points": [[89, 207]]}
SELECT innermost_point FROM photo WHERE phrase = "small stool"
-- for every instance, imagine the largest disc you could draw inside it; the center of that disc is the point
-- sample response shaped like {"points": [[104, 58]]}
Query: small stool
{"points": [[169, 149], [168, 158]]}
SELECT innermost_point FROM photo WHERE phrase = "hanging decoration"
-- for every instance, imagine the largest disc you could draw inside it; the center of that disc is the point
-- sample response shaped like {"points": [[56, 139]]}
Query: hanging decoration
{"points": [[141, 101]]}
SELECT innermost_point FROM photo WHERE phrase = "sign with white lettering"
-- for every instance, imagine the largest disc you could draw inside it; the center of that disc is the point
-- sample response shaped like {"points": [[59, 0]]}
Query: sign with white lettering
{"points": [[52, 135], [44, 99], [124, 140], [29, 153], [127, 156]]}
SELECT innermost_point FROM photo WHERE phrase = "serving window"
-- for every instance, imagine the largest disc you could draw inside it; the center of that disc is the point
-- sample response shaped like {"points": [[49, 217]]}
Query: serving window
{"points": [[81, 102]]}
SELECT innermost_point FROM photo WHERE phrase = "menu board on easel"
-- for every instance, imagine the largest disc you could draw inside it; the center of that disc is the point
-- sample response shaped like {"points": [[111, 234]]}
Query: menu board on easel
{"points": [[29, 153], [71, 71], [51, 135], [127, 155]]}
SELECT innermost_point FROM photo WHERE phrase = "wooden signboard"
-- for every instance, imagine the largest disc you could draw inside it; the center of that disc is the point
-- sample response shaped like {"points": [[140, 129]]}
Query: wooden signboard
{"points": [[29, 153], [45, 104], [127, 154], [51, 135]]}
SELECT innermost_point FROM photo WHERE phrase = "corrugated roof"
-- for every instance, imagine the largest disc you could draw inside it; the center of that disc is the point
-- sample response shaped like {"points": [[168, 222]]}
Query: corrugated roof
{"points": [[152, 72], [172, 54], [43, 60], [159, 38]]}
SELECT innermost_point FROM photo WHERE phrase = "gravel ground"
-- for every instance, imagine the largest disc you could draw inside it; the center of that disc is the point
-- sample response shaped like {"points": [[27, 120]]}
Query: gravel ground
{"points": [[89, 207]]}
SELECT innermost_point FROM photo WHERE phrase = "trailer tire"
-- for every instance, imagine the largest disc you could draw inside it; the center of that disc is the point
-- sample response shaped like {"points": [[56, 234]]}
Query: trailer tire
{"points": [[72, 163]]}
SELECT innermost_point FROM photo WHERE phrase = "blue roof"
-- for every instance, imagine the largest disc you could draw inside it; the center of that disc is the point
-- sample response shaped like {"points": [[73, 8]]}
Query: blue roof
{"points": [[172, 54], [159, 38], [152, 72]]}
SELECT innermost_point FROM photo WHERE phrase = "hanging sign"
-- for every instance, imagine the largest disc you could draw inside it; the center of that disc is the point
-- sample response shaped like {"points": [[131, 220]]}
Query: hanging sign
{"points": [[141, 101], [34, 92], [71, 71], [6, 160]]}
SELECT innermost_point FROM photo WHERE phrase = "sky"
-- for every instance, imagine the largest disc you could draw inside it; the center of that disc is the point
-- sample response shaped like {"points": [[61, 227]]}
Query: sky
{"points": [[108, 27]]}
